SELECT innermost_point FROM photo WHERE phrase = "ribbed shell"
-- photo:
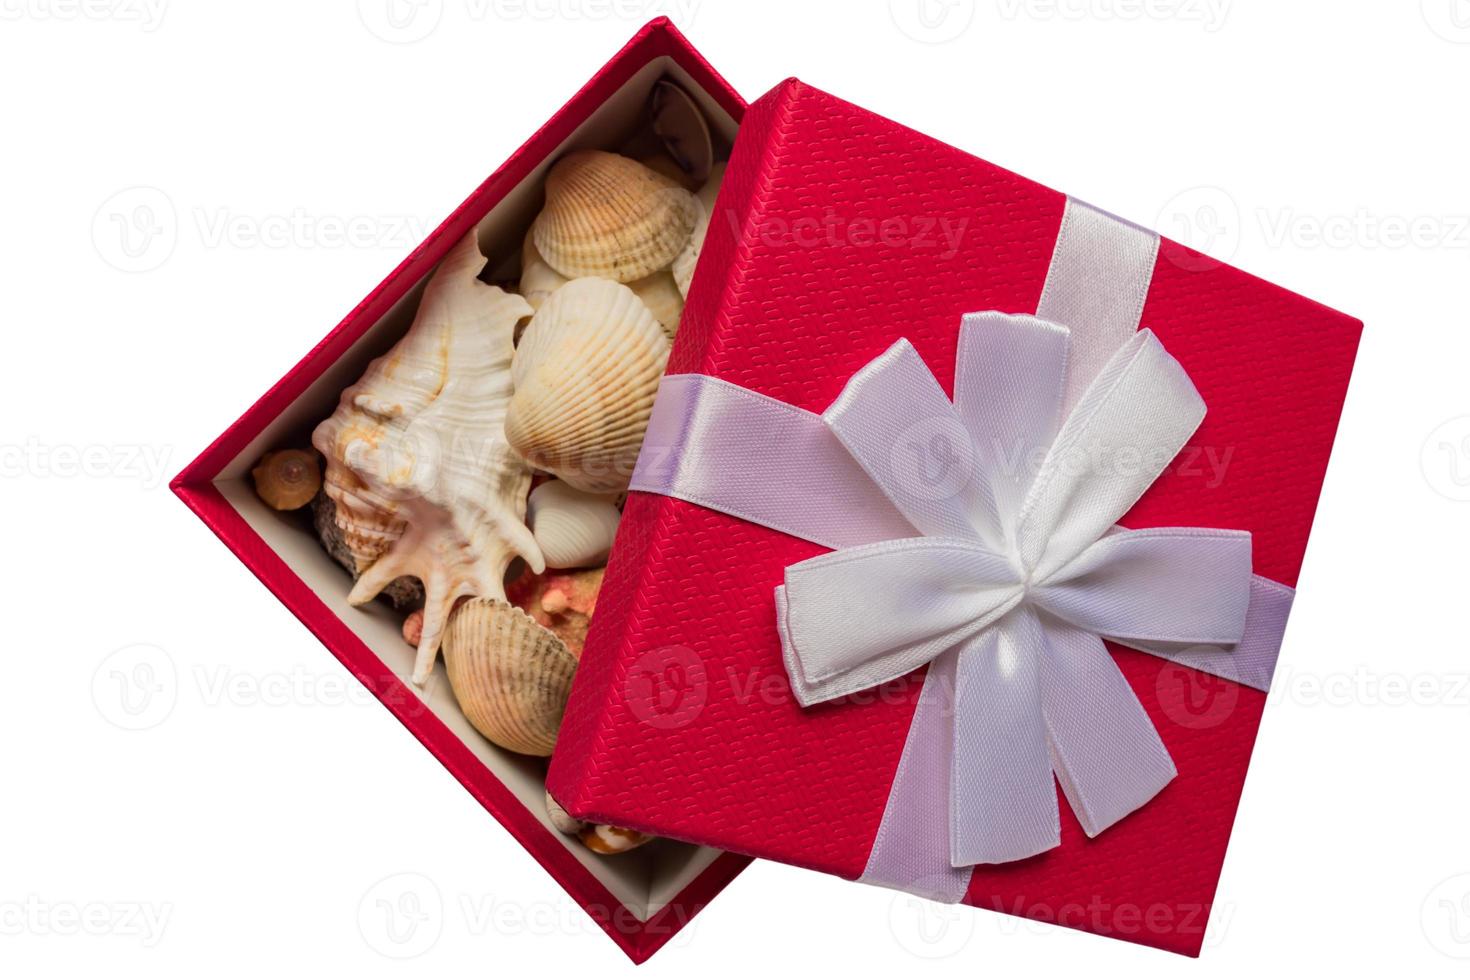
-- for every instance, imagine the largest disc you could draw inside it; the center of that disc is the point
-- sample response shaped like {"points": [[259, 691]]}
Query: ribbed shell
{"points": [[688, 257], [607, 215], [573, 529], [660, 293], [585, 376], [511, 676]]}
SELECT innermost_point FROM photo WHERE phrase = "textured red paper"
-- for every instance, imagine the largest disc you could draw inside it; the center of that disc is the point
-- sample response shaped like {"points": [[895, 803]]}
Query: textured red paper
{"points": [[195, 486], [681, 721]]}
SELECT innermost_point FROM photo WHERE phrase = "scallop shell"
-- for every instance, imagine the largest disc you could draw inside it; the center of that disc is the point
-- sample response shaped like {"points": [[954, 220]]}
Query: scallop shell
{"points": [[609, 216], [685, 133], [684, 264], [511, 677], [420, 440], [661, 294], [606, 839], [561, 819], [288, 479], [573, 529], [538, 279], [585, 374]]}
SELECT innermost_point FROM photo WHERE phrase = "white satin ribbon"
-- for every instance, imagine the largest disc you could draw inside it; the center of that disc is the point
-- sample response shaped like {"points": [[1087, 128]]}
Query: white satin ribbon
{"points": [[1002, 568]]}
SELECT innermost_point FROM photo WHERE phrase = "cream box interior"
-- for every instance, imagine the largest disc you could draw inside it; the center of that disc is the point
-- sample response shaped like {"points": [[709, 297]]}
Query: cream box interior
{"points": [[644, 880]]}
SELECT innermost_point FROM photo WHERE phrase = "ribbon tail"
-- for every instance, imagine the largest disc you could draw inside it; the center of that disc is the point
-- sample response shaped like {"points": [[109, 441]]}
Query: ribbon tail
{"points": [[911, 850], [1002, 800], [1106, 752]]}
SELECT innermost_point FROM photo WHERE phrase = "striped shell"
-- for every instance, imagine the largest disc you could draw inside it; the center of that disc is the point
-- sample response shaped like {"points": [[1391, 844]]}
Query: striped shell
{"points": [[573, 529], [688, 258], [511, 677], [660, 293], [585, 376], [607, 215]]}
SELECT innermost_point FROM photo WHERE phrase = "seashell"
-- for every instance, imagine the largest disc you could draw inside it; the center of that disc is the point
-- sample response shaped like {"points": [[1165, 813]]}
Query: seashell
{"points": [[660, 293], [609, 216], [404, 592], [563, 602], [419, 443], [538, 279], [585, 374], [681, 125], [662, 163], [561, 819], [683, 267], [573, 529], [288, 479], [605, 839], [413, 628], [511, 676]]}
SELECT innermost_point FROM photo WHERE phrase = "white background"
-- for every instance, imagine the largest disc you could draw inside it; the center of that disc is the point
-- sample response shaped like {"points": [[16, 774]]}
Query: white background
{"points": [[1320, 144]]}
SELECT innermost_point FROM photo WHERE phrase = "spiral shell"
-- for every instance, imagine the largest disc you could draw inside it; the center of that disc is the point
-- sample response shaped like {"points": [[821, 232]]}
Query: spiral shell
{"points": [[609, 216], [511, 677], [688, 258], [574, 529], [288, 479], [585, 375]]}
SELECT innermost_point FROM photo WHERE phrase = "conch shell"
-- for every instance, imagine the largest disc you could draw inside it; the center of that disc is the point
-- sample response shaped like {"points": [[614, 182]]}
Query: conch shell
{"points": [[573, 529], [511, 677], [585, 374], [610, 216], [687, 259], [419, 442]]}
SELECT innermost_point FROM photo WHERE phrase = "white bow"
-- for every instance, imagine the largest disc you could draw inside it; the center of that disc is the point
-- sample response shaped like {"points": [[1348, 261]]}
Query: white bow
{"points": [[1019, 573]]}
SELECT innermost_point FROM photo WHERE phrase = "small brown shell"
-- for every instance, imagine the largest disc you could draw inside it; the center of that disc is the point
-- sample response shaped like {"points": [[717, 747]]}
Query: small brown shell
{"points": [[288, 479], [609, 216], [511, 676], [606, 839]]}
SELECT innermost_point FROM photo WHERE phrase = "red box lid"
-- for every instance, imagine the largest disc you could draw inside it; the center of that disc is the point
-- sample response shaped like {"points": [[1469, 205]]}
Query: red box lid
{"points": [[682, 722]]}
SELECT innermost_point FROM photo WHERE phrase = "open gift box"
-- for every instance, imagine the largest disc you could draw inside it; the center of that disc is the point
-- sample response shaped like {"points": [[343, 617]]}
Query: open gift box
{"points": [[641, 898], [844, 251]]}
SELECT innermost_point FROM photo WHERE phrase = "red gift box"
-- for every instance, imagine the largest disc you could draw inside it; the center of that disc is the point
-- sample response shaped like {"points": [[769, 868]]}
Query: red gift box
{"points": [[641, 898], [835, 235]]}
